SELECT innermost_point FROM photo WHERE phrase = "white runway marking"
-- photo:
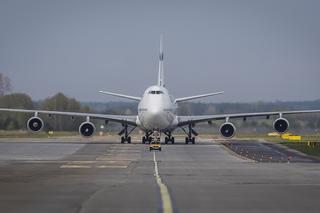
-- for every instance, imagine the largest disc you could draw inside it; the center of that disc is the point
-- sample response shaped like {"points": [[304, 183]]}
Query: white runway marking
{"points": [[165, 195]]}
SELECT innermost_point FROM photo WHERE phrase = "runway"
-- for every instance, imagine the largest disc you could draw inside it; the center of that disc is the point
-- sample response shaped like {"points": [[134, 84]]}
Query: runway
{"points": [[112, 177]]}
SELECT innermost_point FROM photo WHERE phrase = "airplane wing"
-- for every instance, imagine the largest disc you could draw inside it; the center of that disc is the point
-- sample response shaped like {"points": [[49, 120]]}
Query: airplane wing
{"points": [[178, 100], [121, 95], [123, 119], [185, 120]]}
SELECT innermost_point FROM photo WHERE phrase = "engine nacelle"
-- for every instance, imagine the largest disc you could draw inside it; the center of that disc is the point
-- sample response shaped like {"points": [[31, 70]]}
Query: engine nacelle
{"points": [[35, 124], [227, 130], [281, 125], [87, 129]]}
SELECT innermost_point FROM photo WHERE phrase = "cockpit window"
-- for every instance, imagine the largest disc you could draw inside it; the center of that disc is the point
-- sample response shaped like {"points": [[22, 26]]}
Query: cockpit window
{"points": [[155, 92]]}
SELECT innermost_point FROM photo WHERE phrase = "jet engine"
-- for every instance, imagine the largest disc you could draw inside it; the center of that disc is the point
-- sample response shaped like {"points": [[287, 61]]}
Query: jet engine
{"points": [[227, 130], [35, 124], [87, 129], [281, 125]]}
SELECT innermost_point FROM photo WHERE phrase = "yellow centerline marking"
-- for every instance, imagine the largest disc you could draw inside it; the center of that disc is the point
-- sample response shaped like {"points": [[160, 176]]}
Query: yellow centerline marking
{"points": [[164, 192]]}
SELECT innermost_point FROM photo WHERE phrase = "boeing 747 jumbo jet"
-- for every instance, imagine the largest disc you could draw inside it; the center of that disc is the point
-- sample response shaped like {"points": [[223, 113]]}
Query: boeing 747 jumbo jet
{"points": [[157, 114]]}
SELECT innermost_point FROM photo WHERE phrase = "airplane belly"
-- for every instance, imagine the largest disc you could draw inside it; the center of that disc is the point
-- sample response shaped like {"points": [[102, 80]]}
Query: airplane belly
{"points": [[151, 121]]}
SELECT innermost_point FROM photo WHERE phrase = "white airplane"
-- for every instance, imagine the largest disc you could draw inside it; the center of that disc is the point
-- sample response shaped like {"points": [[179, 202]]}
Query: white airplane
{"points": [[157, 113]]}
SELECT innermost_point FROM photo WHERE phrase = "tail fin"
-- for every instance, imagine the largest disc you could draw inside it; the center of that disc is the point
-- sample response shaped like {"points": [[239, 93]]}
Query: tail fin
{"points": [[160, 74]]}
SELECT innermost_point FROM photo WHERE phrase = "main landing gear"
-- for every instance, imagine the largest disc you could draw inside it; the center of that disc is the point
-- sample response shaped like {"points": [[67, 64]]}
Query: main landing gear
{"points": [[168, 138], [190, 133], [125, 133], [147, 138]]}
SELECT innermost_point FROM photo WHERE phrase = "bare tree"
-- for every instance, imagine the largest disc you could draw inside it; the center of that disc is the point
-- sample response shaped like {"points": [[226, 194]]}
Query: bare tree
{"points": [[5, 84]]}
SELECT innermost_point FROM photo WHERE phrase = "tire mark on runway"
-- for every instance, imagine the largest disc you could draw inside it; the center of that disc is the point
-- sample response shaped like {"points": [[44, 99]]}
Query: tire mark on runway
{"points": [[235, 154], [164, 192]]}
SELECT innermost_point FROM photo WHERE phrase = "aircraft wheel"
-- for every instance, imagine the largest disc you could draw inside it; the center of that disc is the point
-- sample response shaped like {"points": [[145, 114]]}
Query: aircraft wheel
{"points": [[193, 140], [129, 140], [143, 140], [122, 139], [187, 140], [166, 139], [172, 140]]}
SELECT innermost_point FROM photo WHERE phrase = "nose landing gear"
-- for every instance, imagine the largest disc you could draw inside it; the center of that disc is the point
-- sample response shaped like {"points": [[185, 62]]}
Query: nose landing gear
{"points": [[147, 138]]}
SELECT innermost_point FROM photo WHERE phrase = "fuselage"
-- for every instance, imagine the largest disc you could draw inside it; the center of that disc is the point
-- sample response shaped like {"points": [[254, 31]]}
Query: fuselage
{"points": [[157, 110]]}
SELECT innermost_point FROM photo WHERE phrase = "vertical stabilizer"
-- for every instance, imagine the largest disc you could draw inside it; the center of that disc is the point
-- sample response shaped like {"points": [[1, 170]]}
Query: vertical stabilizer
{"points": [[160, 74]]}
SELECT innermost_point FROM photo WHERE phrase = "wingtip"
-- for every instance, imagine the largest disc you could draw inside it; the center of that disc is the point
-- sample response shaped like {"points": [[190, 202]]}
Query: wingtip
{"points": [[102, 92]]}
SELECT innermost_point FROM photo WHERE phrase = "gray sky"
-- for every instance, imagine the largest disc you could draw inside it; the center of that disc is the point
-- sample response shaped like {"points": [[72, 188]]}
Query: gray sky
{"points": [[253, 50]]}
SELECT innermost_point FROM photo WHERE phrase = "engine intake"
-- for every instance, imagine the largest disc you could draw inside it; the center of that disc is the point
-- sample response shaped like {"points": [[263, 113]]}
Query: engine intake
{"points": [[281, 125], [227, 130], [35, 124], [87, 129]]}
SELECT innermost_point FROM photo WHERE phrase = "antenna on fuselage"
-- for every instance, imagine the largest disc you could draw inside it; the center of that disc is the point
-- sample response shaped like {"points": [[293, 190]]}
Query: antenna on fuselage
{"points": [[160, 74]]}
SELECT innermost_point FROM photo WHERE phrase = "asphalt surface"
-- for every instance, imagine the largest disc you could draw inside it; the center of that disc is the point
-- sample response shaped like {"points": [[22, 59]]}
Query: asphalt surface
{"points": [[112, 177]]}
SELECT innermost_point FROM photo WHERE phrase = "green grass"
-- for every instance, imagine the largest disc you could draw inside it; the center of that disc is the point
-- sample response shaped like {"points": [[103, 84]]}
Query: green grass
{"points": [[313, 150]]}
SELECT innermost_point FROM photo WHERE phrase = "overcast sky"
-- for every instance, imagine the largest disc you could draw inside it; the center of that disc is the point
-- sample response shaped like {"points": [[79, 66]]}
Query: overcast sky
{"points": [[253, 50]]}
